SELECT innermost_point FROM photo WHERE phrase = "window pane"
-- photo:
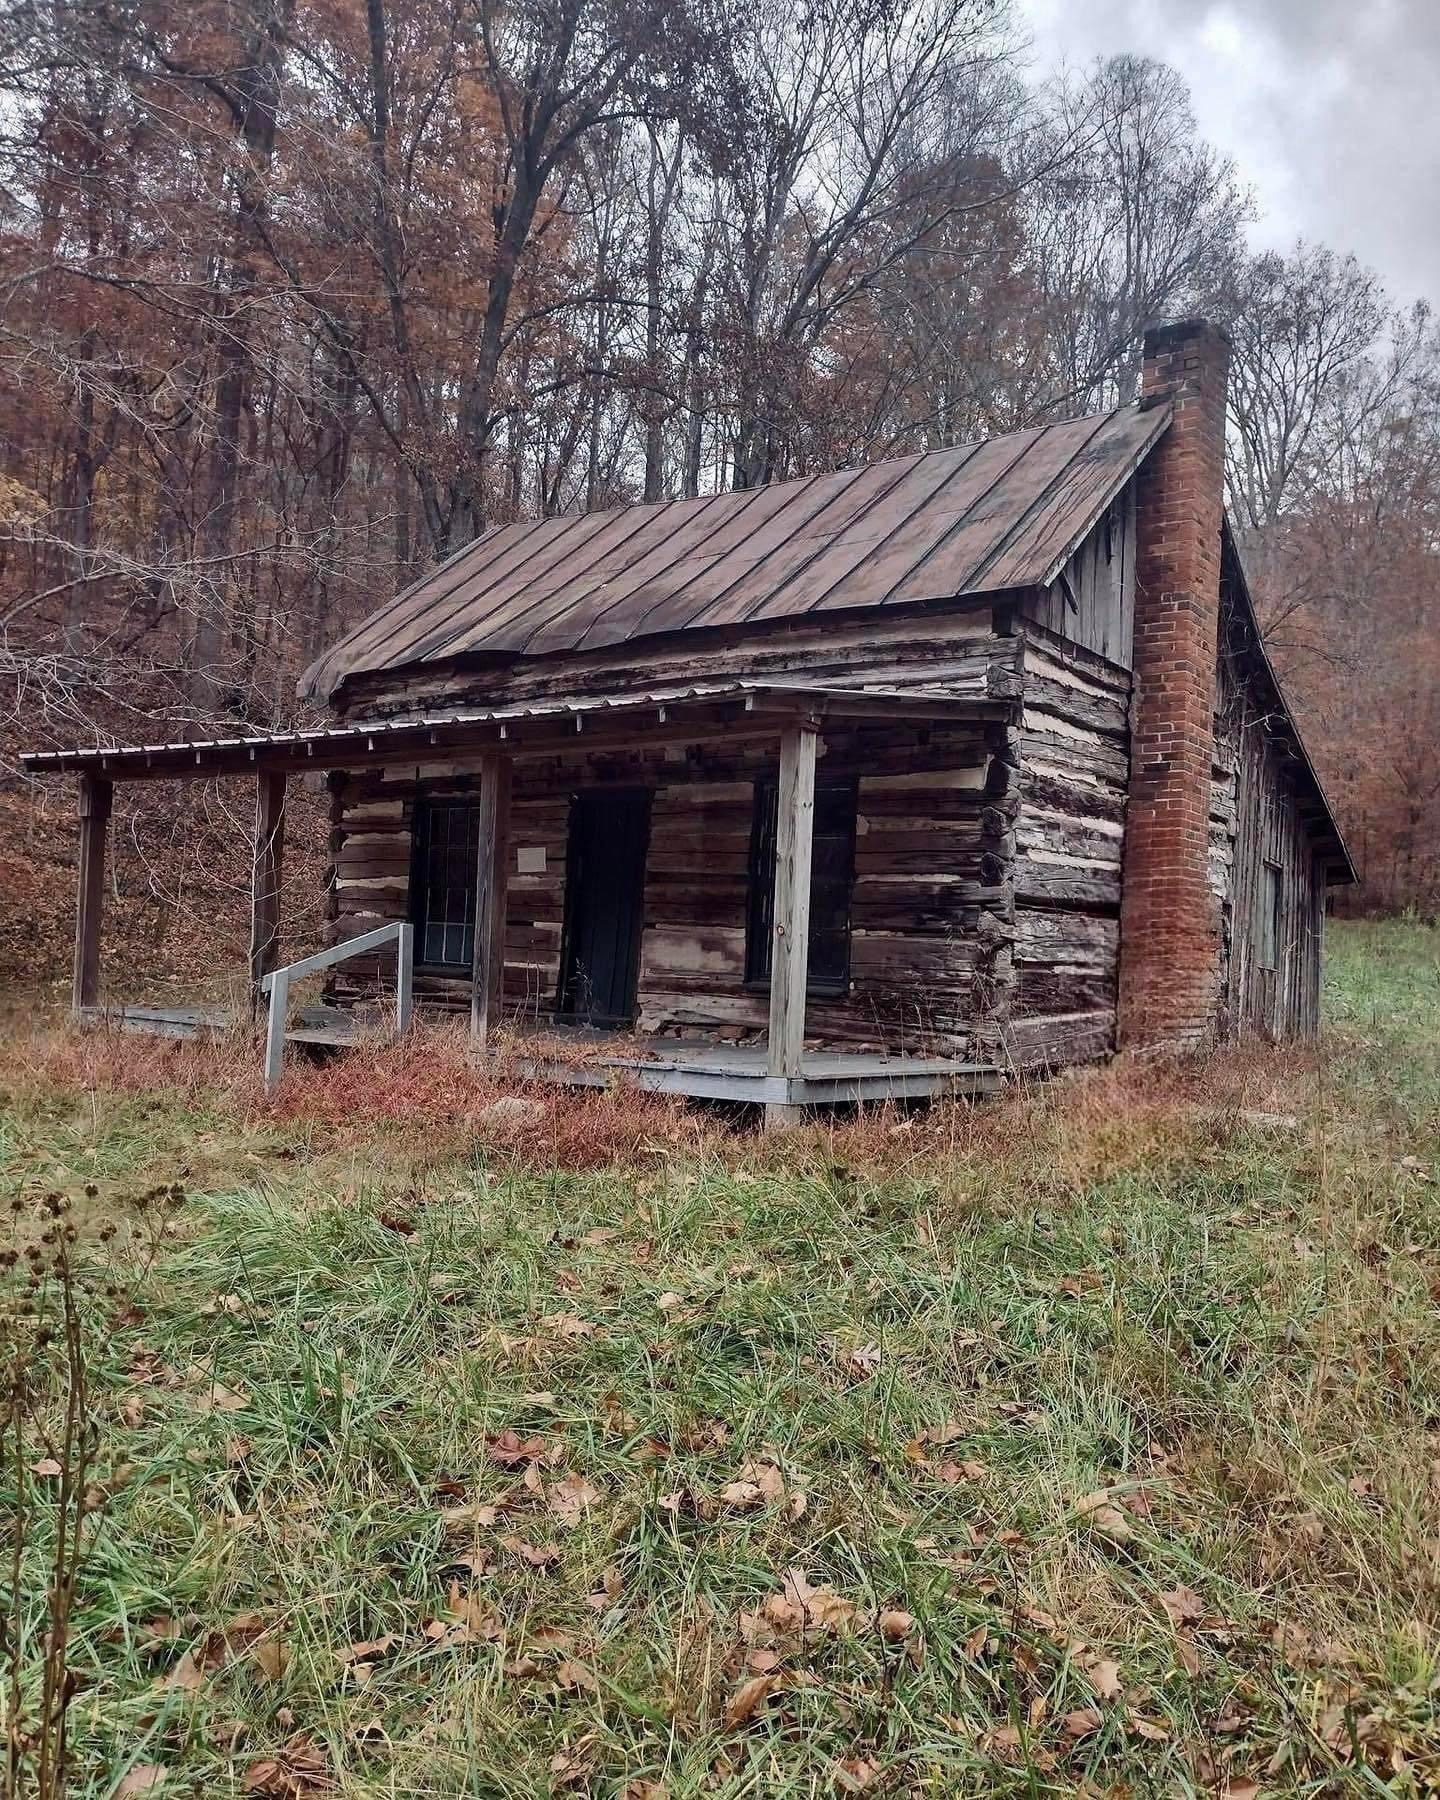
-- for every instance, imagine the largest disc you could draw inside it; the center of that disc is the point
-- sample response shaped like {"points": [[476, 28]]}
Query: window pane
{"points": [[832, 870], [446, 837]]}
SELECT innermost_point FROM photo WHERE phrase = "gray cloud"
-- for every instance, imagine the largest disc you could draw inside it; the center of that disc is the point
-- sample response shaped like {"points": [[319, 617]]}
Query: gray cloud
{"points": [[1331, 108]]}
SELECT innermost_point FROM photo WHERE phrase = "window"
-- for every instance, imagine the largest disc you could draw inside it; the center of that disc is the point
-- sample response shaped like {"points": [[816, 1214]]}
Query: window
{"points": [[442, 884], [1267, 926], [832, 874]]}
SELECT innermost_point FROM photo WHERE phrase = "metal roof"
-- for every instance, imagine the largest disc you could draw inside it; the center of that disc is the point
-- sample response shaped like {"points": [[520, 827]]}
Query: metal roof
{"points": [[974, 519], [536, 725]]}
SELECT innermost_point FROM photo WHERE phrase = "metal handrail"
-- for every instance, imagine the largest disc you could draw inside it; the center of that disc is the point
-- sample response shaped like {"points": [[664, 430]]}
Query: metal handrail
{"points": [[277, 985]]}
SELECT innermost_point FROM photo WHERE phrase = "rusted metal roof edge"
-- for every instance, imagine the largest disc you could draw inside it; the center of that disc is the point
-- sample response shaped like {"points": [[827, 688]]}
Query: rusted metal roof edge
{"points": [[1162, 416], [326, 746]]}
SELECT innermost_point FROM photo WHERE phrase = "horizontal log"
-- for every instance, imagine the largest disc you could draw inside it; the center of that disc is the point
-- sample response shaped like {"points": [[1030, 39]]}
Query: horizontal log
{"points": [[1057, 1041], [1053, 884], [1064, 937]]}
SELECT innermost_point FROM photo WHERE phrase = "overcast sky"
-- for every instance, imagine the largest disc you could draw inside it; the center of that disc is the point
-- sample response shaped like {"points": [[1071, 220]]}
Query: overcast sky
{"points": [[1330, 108]]}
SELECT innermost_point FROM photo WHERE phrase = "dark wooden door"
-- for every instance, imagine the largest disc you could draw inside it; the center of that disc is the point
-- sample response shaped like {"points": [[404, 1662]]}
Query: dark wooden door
{"points": [[604, 905]]}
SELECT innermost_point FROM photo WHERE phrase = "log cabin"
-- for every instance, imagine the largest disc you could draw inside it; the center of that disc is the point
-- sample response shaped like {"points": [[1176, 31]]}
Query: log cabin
{"points": [[888, 781]]}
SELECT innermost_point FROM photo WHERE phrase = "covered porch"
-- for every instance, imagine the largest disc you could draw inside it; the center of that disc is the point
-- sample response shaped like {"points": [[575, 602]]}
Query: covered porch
{"points": [[787, 723]]}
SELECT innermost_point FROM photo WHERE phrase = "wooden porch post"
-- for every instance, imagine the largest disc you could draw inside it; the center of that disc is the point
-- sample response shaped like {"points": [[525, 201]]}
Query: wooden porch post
{"points": [[96, 795], [790, 945], [265, 884], [491, 878]]}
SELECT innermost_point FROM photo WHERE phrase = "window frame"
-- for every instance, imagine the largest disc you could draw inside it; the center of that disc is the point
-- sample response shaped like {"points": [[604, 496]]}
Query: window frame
{"points": [[426, 804], [1271, 907], [760, 888]]}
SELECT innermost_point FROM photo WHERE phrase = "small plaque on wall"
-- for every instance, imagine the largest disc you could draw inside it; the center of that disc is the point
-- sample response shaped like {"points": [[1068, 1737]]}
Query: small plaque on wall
{"points": [[530, 859]]}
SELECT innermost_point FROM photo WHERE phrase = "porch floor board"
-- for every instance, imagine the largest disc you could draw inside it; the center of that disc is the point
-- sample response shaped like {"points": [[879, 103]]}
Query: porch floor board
{"points": [[692, 1068]]}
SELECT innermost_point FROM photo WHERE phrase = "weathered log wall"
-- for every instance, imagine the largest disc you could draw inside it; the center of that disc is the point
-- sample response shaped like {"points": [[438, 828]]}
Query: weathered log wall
{"points": [[1267, 879], [985, 914], [927, 924], [958, 650], [1074, 756], [932, 905]]}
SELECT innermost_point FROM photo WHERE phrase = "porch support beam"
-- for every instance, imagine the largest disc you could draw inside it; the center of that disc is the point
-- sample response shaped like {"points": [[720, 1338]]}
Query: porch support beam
{"points": [[266, 877], [96, 797], [491, 882], [790, 944]]}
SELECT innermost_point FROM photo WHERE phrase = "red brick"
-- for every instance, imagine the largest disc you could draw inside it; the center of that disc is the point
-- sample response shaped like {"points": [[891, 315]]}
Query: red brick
{"points": [[1169, 924]]}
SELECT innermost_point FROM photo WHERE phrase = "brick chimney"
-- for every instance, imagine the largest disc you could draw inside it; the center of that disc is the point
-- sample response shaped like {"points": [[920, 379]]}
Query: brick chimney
{"points": [[1169, 917]]}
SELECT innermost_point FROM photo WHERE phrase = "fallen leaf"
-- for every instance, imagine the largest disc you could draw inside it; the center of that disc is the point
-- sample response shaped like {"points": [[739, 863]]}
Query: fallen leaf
{"points": [[896, 1624], [1101, 1514], [219, 1398], [300, 1767], [238, 1448], [640, 1789], [509, 1449], [747, 1699], [132, 1412], [856, 1774], [141, 1778], [271, 1658], [368, 1649], [575, 1675], [475, 1613], [570, 1498], [669, 1301], [187, 1675], [1184, 1606], [859, 1360], [1149, 1729], [1105, 1679], [1081, 1722], [539, 1556]]}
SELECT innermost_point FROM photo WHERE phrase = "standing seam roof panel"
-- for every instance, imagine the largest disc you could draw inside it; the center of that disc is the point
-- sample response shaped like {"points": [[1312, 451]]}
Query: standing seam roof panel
{"points": [[978, 518]]}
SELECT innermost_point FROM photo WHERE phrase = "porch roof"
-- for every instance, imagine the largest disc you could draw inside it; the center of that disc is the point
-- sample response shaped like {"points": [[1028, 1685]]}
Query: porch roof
{"points": [[533, 728]]}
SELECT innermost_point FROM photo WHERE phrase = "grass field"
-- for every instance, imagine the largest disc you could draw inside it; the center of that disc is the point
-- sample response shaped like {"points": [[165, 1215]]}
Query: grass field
{"points": [[1086, 1442]]}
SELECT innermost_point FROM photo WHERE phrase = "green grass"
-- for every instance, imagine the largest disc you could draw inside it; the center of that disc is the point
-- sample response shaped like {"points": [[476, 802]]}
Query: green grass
{"points": [[945, 1339]]}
